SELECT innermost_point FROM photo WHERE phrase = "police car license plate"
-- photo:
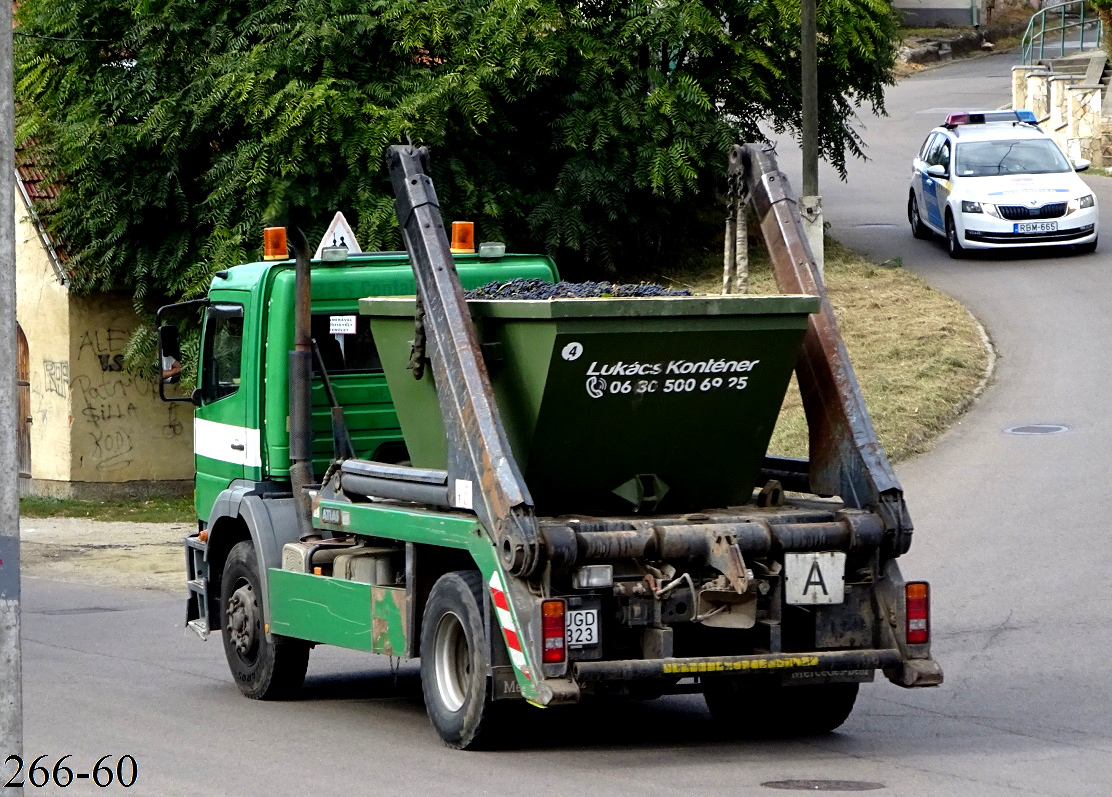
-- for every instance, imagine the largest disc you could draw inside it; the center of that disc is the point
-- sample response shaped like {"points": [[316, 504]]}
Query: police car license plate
{"points": [[812, 578], [582, 627], [1035, 226]]}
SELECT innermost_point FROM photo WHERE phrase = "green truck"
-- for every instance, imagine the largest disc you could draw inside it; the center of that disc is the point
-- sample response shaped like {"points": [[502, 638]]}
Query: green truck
{"points": [[542, 499]]}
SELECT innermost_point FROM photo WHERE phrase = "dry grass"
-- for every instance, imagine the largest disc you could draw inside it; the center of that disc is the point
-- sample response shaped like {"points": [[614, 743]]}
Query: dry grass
{"points": [[917, 353]]}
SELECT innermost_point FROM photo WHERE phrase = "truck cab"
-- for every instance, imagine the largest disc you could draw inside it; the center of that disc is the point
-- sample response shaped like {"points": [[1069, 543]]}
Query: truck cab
{"points": [[241, 415]]}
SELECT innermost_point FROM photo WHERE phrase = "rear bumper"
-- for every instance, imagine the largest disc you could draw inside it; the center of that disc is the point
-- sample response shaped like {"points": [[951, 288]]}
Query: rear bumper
{"points": [[761, 664]]}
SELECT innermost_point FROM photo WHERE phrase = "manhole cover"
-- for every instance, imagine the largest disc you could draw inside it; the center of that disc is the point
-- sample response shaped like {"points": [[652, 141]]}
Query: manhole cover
{"points": [[823, 785], [876, 225], [82, 610], [1038, 428]]}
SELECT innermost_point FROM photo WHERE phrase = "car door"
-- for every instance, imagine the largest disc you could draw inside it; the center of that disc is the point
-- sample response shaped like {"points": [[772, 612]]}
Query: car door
{"points": [[942, 185], [930, 183], [225, 449]]}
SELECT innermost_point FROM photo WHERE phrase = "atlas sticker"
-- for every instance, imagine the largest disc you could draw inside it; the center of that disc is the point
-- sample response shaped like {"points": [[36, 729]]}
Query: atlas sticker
{"points": [[572, 351]]}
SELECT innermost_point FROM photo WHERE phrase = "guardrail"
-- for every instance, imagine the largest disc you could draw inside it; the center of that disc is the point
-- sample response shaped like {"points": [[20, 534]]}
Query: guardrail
{"points": [[1051, 25]]}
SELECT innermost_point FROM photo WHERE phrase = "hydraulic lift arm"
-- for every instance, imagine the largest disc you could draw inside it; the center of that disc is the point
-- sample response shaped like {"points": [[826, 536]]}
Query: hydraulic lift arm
{"points": [[845, 457], [482, 473]]}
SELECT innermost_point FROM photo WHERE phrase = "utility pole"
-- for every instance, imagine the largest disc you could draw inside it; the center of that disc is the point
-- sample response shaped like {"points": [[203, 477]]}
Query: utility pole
{"points": [[810, 204], [11, 665]]}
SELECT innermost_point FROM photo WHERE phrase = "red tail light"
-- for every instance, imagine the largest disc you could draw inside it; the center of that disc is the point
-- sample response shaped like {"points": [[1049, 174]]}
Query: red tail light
{"points": [[918, 612], [552, 617]]}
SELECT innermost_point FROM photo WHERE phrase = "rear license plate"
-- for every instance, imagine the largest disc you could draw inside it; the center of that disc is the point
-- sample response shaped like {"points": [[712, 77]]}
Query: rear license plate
{"points": [[582, 627], [812, 578], [1035, 226]]}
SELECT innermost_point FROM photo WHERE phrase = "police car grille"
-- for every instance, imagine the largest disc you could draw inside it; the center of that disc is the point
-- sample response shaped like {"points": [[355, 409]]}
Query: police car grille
{"points": [[1019, 212]]}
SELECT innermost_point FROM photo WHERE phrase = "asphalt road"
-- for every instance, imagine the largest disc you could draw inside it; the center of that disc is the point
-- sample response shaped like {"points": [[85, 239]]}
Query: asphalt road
{"points": [[1010, 531]]}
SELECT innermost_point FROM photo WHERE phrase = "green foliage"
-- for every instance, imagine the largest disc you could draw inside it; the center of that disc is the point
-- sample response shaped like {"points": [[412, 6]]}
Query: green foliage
{"points": [[596, 131]]}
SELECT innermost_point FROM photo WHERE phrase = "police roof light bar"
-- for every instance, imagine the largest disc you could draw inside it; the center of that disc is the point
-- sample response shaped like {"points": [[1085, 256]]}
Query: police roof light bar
{"points": [[1023, 116]]}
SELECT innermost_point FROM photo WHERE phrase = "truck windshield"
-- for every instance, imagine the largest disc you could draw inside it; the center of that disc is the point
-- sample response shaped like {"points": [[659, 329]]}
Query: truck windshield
{"points": [[346, 344], [1025, 156]]}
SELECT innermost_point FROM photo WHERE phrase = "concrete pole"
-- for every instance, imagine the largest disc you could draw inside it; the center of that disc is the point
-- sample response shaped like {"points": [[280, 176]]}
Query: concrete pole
{"points": [[810, 204], [11, 667]]}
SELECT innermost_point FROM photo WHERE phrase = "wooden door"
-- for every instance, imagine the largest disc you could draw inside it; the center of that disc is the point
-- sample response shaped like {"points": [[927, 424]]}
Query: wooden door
{"points": [[23, 376]]}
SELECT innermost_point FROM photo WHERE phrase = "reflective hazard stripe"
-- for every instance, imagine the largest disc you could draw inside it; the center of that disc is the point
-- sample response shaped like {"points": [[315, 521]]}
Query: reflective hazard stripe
{"points": [[509, 628]]}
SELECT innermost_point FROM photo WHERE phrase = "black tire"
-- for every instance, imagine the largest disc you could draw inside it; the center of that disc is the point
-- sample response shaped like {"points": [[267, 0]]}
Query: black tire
{"points": [[1086, 249], [263, 669], [756, 708], [953, 245], [455, 661], [918, 229]]}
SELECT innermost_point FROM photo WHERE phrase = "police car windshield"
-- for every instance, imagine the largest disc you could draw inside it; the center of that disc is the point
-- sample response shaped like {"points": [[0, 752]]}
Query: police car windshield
{"points": [[1025, 156]]}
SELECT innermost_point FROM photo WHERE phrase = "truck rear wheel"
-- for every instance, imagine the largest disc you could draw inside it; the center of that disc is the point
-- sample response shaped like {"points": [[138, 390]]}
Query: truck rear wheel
{"points": [[263, 669], [752, 707], [454, 660]]}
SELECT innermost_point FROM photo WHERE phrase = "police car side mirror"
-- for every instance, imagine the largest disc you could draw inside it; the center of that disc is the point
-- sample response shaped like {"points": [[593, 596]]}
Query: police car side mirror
{"points": [[937, 170], [1080, 164]]}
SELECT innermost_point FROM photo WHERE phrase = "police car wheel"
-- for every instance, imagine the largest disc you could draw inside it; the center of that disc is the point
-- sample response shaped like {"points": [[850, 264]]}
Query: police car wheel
{"points": [[953, 245], [918, 229]]}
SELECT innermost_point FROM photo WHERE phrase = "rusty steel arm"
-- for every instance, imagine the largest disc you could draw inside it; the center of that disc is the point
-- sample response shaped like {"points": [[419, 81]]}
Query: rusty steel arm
{"points": [[845, 457], [481, 466]]}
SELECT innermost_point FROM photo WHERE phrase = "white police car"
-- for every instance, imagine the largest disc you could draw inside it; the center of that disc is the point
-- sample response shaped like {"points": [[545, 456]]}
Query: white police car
{"points": [[993, 179]]}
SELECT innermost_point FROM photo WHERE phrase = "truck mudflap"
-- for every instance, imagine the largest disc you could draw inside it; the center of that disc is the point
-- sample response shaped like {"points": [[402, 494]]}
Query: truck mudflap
{"points": [[758, 664]]}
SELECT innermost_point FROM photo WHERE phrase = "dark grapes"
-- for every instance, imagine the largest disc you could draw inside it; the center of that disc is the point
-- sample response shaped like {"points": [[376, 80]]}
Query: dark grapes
{"points": [[539, 289]]}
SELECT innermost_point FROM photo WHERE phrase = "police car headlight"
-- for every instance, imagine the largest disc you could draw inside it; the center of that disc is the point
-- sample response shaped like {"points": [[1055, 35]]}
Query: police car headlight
{"points": [[970, 207], [1077, 203]]}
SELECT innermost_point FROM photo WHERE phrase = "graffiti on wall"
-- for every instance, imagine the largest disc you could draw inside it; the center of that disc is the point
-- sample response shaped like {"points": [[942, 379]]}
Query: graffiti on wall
{"points": [[117, 427], [57, 374], [107, 345], [106, 399]]}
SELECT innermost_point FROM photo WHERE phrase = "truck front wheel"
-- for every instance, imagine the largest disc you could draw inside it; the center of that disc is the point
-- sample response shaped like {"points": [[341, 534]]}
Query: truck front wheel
{"points": [[263, 669], [454, 659], [751, 707]]}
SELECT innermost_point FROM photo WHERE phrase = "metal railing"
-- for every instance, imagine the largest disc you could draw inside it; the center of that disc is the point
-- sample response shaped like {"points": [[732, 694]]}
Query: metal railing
{"points": [[1055, 28]]}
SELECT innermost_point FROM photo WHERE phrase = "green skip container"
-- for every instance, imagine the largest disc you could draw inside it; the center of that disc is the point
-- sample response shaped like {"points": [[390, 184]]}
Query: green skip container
{"points": [[616, 405]]}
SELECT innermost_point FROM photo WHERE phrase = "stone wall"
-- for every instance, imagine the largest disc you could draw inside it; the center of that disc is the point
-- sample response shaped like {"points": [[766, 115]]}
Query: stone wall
{"points": [[1069, 105]]}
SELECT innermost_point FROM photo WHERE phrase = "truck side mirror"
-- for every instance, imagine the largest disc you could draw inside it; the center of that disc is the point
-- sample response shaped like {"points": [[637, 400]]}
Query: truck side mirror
{"points": [[169, 354]]}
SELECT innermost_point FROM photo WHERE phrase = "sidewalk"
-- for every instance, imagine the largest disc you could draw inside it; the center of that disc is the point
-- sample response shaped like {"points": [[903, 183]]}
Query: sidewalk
{"points": [[129, 555]]}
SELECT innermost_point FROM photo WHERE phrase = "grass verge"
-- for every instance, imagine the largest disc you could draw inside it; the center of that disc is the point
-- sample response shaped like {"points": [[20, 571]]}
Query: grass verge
{"points": [[153, 510], [917, 353]]}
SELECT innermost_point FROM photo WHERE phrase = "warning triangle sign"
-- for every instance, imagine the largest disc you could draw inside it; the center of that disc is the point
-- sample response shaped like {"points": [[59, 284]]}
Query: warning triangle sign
{"points": [[339, 233]]}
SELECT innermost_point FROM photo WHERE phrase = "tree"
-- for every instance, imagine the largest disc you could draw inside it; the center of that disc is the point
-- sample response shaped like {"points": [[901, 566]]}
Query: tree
{"points": [[592, 130], [1104, 11]]}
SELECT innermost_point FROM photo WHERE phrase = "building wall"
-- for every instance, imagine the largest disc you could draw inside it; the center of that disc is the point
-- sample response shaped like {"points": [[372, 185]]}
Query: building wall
{"points": [[97, 431], [121, 431], [43, 314], [935, 13]]}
